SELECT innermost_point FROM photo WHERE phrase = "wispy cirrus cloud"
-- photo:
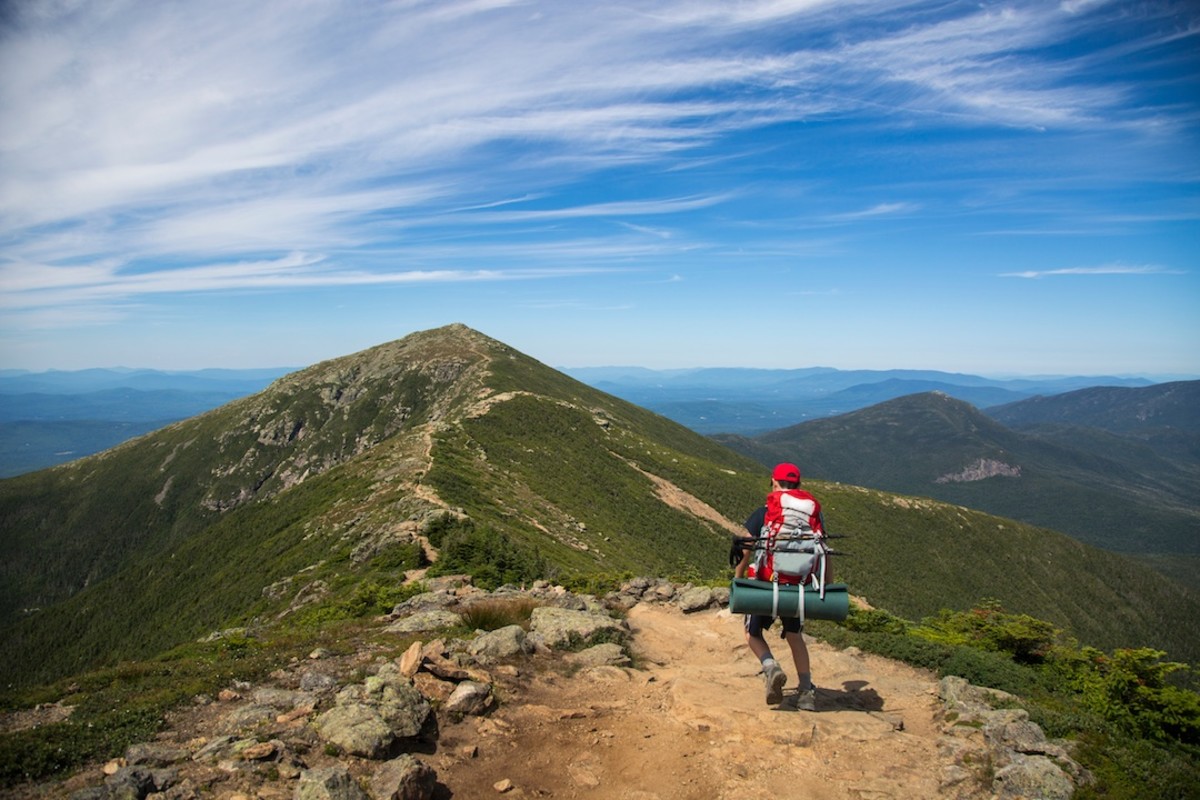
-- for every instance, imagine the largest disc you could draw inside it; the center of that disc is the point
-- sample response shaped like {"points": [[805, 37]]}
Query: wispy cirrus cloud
{"points": [[875, 211], [1105, 269], [40, 288], [266, 146]]}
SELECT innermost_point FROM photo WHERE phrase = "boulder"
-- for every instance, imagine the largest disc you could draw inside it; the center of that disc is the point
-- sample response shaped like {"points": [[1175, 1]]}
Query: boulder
{"points": [[154, 754], [367, 717], [282, 699], [695, 599], [1032, 776], [247, 718], [317, 682], [404, 778], [601, 655], [357, 729], [431, 620], [561, 627], [504, 642], [469, 698], [330, 783]]}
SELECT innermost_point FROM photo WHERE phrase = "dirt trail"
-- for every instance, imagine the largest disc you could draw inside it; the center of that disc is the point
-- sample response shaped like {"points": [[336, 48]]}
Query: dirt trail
{"points": [[691, 722]]}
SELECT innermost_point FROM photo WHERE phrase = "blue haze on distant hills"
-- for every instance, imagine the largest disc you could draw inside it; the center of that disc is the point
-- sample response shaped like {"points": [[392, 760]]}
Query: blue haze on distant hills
{"points": [[751, 401], [48, 418]]}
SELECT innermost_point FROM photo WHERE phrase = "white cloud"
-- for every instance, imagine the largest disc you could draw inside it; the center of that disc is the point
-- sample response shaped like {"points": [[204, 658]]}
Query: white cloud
{"points": [[1106, 269], [234, 134], [877, 210]]}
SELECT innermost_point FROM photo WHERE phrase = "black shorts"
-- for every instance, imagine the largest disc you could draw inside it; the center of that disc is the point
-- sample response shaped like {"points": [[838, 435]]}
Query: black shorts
{"points": [[756, 624]]}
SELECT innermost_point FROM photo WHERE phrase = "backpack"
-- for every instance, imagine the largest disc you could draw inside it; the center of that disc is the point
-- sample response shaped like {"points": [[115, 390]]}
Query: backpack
{"points": [[789, 550]]}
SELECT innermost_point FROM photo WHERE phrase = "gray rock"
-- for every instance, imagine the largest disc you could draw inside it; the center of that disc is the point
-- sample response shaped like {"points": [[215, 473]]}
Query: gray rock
{"points": [[696, 599], [317, 683], [404, 778], [282, 699], [664, 591], [502, 643], [1032, 776], [330, 783], [431, 620], [369, 716], [572, 602], [561, 627], [247, 718], [134, 783], [215, 749], [91, 793], [601, 655], [424, 602], [357, 729], [154, 754], [469, 698], [1020, 735], [1012, 741]]}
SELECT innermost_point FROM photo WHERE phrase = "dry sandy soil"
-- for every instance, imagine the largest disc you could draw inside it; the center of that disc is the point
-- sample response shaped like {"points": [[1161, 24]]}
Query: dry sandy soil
{"points": [[691, 722]]}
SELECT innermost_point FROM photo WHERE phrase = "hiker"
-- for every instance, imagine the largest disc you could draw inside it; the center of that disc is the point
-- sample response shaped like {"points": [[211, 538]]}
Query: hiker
{"points": [[785, 477]]}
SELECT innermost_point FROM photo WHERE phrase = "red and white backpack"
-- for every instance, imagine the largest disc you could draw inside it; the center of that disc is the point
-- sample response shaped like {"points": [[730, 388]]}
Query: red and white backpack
{"points": [[791, 549]]}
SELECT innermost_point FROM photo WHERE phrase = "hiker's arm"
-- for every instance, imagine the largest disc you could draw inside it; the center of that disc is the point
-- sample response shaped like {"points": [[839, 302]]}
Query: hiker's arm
{"points": [[740, 570]]}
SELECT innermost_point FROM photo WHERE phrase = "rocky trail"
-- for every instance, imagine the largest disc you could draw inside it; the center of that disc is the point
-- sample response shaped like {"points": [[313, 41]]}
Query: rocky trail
{"points": [[691, 722], [675, 713]]}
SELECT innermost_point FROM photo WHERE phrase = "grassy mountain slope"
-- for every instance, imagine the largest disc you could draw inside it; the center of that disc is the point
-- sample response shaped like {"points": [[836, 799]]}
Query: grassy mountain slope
{"points": [[282, 503], [1117, 409], [1114, 493]]}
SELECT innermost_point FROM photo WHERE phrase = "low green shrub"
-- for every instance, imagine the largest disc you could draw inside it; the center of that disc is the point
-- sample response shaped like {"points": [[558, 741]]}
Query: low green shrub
{"points": [[596, 584], [48, 750], [488, 556], [989, 627]]}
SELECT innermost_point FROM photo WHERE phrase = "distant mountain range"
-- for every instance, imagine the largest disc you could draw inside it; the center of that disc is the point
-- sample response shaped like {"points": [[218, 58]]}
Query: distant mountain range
{"points": [[49, 418], [1124, 476], [294, 499], [751, 401]]}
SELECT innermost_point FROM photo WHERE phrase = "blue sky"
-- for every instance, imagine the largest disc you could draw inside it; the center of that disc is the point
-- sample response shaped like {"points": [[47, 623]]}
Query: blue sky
{"points": [[995, 188]]}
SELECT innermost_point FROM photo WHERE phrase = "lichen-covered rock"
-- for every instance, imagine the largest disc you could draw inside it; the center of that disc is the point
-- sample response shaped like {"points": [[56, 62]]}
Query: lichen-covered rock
{"points": [[431, 620], [1032, 776], [330, 783], [368, 717], [504, 642], [601, 655], [357, 729], [695, 599], [562, 627]]}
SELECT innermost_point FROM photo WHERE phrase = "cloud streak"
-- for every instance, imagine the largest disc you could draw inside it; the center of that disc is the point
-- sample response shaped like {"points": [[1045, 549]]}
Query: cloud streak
{"points": [[151, 150], [1106, 269]]}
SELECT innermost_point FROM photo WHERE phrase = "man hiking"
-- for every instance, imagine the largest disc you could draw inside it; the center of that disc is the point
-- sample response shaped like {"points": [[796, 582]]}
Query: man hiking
{"points": [[756, 562]]}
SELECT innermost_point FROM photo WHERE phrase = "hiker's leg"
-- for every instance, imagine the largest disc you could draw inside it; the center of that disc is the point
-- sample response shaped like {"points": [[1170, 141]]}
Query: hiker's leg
{"points": [[795, 640], [754, 638], [773, 677]]}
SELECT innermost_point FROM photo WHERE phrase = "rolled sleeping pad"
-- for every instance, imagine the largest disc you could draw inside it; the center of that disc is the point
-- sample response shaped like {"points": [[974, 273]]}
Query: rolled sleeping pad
{"points": [[748, 596]]}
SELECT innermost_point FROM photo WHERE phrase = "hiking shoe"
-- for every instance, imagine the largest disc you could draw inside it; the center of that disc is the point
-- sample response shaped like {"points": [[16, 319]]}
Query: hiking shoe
{"points": [[774, 678], [806, 700]]}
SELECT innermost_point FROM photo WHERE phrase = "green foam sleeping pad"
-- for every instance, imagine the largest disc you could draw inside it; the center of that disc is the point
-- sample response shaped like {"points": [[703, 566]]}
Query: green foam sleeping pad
{"points": [[748, 596]]}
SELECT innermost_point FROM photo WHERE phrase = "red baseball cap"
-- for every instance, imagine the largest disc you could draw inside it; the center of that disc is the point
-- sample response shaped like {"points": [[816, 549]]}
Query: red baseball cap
{"points": [[786, 472]]}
